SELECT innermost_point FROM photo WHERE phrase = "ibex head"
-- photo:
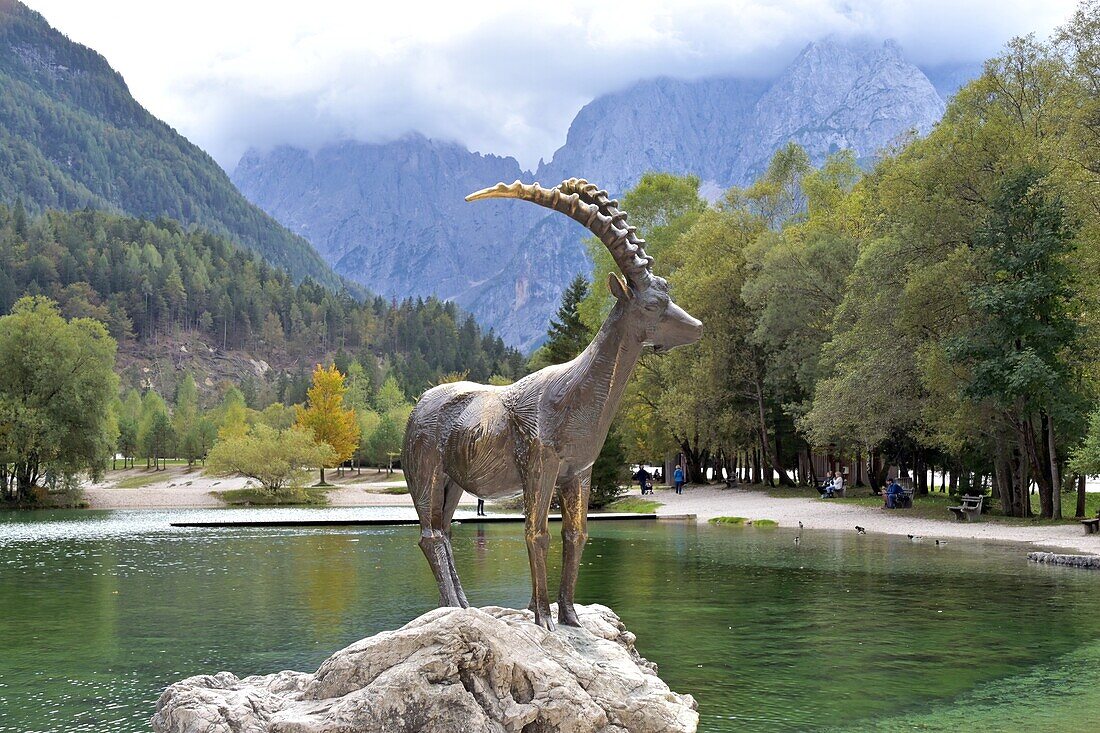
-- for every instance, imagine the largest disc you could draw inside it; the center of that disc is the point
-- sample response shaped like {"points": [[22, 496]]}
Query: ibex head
{"points": [[654, 319]]}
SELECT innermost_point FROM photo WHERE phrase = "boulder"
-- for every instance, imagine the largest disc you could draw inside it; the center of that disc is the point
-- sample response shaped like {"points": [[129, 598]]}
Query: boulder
{"points": [[474, 670]]}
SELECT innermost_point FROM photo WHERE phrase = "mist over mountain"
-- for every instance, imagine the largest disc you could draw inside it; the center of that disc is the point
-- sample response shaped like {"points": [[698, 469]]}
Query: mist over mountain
{"points": [[392, 215]]}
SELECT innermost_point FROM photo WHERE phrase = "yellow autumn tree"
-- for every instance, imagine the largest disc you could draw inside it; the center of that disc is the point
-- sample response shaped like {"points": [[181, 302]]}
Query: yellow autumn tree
{"points": [[325, 417]]}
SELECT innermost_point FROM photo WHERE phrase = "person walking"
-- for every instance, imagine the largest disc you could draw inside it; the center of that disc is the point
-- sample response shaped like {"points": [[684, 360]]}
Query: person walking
{"points": [[642, 476], [481, 507], [678, 478]]}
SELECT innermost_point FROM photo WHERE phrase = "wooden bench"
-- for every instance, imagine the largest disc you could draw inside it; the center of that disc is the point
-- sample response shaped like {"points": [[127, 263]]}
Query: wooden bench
{"points": [[904, 500], [970, 510], [1091, 525]]}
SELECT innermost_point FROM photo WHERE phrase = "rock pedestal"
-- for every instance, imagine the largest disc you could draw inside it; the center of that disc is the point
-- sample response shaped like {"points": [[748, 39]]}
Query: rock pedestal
{"points": [[474, 670]]}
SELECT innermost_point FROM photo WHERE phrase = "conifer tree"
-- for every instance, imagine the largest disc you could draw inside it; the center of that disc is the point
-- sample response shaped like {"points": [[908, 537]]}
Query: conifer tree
{"points": [[568, 335]]}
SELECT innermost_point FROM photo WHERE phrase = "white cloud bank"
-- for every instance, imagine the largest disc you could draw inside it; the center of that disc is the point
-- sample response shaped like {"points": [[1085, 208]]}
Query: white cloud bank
{"points": [[500, 77]]}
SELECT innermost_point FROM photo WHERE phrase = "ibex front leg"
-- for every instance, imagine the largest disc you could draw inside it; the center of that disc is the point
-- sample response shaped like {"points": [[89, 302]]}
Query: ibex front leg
{"points": [[574, 493], [538, 490]]}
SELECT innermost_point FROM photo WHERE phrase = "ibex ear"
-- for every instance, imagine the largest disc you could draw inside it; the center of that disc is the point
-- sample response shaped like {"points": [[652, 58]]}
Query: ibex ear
{"points": [[618, 286]]}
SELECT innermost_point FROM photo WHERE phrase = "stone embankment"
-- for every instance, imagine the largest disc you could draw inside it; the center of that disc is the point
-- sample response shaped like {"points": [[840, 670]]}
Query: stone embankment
{"points": [[1076, 561], [487, 670]]}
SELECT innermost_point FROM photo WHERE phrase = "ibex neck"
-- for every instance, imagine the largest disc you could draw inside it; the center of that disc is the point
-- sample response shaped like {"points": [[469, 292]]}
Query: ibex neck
{"points": [[605, 366]]}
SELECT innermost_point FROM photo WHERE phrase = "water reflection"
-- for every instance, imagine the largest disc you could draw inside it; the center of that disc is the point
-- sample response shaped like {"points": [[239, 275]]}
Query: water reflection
{"points": [[102, 609]]}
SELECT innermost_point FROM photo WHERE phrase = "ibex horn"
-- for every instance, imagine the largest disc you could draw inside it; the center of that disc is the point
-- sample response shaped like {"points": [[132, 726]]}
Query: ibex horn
{"points": [[584, 202]]}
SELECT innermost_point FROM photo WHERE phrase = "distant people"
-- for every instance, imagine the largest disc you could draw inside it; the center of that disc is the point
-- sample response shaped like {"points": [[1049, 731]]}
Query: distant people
{"points": [[678, 478], [643, 477], [893, 491], [826, 487], [658, 477], [838, 485], [481, 507]]}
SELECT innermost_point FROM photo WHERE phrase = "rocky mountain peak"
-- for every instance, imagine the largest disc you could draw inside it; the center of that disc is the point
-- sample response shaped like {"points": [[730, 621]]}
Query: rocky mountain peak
{"points": [[392, 215]]}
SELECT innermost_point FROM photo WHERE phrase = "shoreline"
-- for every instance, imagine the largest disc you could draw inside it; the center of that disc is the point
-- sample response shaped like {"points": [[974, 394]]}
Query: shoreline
{"points": [[177, 488], [707, 502]]}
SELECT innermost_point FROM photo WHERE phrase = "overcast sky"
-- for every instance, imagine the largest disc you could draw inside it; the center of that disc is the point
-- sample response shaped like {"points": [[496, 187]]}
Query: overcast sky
{"points": [[501, 77]]}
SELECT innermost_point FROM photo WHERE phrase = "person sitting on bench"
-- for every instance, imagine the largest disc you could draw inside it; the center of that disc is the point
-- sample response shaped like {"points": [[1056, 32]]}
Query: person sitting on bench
{"points": [[893, 491], [826, 487]]}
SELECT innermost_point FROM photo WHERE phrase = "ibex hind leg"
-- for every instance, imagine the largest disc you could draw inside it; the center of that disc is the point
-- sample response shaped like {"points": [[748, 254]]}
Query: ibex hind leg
{"points": [[427, 484], [452, 493]]}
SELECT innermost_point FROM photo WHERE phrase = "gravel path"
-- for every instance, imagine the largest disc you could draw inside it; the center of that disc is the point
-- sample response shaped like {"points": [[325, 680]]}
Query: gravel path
{"points": [[177, 488], [707, 502]]}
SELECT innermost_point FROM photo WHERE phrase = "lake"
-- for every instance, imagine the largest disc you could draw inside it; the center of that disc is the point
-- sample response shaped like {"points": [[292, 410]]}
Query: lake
{"points": [[100, 610]]}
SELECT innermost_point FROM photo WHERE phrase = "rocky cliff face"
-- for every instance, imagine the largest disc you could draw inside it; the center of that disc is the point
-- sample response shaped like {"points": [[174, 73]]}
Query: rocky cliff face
{"points": [[393, 217]]}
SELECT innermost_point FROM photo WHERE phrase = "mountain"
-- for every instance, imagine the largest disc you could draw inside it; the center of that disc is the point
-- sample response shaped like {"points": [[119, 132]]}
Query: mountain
{"points": [[187, 300], [831, 97], [949, 77], [394, 218], [72, 136], [391, 215]]}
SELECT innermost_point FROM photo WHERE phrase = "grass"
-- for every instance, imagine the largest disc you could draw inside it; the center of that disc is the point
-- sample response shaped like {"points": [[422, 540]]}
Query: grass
{"points": [[934, 505], [634, 505], [402, 489], [311, 496], [742, 521], [137, 482]]}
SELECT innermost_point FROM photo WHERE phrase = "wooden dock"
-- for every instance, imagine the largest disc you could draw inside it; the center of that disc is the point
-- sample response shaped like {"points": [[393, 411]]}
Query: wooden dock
{"points": [[400, 522]]}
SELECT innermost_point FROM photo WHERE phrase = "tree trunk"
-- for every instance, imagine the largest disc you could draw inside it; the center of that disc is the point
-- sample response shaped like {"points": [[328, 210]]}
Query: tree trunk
{"points": [[1039, 469], [921, 471], [692, 464], [1080, 496], [811, 470], [322, 483], [784, 479], [1055, 473]]}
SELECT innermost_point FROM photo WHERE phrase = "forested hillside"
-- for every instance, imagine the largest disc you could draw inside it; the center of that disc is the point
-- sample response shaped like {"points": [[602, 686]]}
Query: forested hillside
{"points": [[188, 299], [72, 136]]}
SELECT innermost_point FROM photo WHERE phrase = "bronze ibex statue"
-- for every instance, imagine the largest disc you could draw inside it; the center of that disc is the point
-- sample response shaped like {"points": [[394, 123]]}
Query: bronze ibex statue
{"points": [[545, 430]]}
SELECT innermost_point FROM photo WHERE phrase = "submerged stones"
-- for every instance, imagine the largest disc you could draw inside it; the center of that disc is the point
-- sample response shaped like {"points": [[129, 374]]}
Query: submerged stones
{"points": [[473, 670]]}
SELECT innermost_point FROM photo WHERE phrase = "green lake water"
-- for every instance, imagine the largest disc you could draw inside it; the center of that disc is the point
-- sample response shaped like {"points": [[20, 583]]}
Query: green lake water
{"points": [[100, 610]]}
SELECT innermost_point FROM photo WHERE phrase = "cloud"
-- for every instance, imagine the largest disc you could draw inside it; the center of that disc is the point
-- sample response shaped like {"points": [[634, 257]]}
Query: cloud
{"points": [[500, 77]]}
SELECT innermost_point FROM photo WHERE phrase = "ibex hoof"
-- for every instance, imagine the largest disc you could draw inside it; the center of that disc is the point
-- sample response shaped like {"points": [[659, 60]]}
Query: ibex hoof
{"points": [[567, 616], [543, 619]]}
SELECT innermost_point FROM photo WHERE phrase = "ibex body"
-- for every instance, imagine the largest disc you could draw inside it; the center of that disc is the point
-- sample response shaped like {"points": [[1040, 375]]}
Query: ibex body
{"points": [[544, 431]]}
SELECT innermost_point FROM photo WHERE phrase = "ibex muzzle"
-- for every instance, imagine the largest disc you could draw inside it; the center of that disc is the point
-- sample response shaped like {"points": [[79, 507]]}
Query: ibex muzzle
{"points": [[544, 431]]}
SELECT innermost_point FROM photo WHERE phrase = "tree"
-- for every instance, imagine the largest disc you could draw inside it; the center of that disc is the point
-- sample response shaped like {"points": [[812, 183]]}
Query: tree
{"points": [[327, 420], [187, 421], [276, 458], [389, 396], [369, 421], [567, 335], [386, 440], [160, 439], [57, 381], [232, 415], [608, 472], [151, 435], [1014, 348]]}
